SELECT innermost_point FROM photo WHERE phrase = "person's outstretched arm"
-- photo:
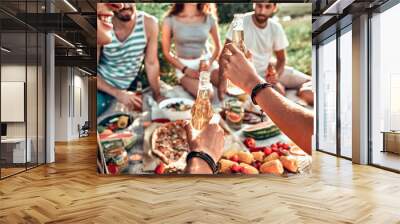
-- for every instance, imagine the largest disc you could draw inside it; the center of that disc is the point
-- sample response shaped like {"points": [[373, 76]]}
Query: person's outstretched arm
{"points": [[211, 141], [295, 121], [129, 99], [151, 63]]}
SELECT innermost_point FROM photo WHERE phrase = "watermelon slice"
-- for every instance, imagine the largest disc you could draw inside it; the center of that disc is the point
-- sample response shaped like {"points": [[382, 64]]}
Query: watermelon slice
{"points": [[262, 130]]}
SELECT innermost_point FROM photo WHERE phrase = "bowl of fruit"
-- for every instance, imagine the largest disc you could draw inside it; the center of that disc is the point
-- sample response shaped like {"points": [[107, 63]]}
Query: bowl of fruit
{"points": [[117, 126], [233, 113], [116, 138], [177, 108], [282, 159]]}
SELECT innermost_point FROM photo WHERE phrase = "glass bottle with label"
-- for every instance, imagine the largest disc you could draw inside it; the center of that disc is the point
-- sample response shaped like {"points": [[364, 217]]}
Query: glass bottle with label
{"points": [[202, 111], [238, 41], [238, 32]]}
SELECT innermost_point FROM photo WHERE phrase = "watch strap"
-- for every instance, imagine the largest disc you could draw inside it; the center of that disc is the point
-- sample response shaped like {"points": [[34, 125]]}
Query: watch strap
{"points": [[204, 156], [257, 89]]}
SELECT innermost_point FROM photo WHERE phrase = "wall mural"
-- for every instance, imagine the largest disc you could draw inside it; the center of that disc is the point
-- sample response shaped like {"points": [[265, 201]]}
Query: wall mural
{"points": [[204, 88]]}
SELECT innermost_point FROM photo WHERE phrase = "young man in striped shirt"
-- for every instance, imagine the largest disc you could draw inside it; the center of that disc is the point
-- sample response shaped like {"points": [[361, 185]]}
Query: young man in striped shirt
{"points": [[134, 39]]}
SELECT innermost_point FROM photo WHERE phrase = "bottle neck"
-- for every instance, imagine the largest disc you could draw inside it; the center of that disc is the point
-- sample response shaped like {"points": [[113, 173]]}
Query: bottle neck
{"points": [[204, 84], [237, 23]]}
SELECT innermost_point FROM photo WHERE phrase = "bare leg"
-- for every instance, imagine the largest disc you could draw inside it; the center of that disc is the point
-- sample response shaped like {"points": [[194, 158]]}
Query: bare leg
{"points": [[280, 88], [307, 95], [192, 86]]}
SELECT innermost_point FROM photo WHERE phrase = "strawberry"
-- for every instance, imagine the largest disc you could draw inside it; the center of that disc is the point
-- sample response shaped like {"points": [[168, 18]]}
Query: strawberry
{"points": [[250, 143], [236, 168], [267, 151], [160, 168], [234, 158], [274, 146]]}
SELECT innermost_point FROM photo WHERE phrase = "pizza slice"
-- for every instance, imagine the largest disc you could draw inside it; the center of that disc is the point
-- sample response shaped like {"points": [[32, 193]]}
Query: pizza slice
{"points": [[170, 142]]}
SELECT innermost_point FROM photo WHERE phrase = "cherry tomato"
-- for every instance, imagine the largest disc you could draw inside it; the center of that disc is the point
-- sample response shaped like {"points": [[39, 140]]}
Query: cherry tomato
{"points": [[161, 120], [267, 151], [236, 168], [234, 158], [160, 168], [250, 143], [285, 146], [112, 168], [257, 149]]}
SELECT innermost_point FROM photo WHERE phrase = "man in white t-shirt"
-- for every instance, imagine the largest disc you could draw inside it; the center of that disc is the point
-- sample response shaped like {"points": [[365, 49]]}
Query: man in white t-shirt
{"points": [[265, 38]]}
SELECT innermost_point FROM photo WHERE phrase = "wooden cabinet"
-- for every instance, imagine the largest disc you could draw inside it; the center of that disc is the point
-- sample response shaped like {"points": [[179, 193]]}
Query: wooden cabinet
{"points": [[391, 141]]}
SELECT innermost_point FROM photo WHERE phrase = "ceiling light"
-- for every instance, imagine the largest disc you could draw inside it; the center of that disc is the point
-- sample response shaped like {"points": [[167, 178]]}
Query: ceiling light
{"points": [[84, 71], [5, 50], [332, 7], [338, 6], [65, 41], [70, 5]]}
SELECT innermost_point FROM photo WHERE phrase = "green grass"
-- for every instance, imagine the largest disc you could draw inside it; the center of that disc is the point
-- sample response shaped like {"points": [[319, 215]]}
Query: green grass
{"points": [[298, 32], [294, 10]]}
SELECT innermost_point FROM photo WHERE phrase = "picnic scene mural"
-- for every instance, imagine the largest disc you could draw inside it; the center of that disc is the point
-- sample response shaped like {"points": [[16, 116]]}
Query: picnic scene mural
{"points": [[204, 88]]}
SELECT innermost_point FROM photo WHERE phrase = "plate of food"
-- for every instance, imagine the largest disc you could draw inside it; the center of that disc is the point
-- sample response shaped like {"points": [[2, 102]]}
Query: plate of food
{"points": [[281, 159], [177, 108], [234, 90], [116, 122], [116, 139]]}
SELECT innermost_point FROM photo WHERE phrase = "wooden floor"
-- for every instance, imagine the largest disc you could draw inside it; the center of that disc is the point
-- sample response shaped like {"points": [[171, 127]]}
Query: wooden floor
{"points": [[70, 191], [387, 159], [10, 171]]}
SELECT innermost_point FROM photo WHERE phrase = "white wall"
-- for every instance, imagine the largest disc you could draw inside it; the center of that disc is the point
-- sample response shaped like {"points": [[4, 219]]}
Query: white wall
{"points": [[13, 73], [34, 125], [70, 84], [61, 103]]}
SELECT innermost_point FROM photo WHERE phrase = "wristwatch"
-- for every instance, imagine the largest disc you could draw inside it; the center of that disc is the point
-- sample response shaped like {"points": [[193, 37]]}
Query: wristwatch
{"points": [[184, 69], [181, 74], [257, 89], [204, 156]]}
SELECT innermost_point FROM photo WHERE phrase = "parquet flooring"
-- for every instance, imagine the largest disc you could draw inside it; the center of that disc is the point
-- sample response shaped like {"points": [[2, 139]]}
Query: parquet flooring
{"points": [[10, 171], [70, 191]]}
